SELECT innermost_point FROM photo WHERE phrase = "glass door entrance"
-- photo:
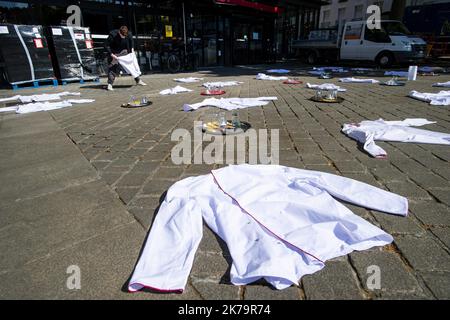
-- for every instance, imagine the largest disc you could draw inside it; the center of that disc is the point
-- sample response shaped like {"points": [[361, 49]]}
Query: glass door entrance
{"points": [[249, 42]]}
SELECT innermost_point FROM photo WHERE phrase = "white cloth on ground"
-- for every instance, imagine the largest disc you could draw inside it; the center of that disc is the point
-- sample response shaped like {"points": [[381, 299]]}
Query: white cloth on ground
{"points": [[221, 84], [188, 80], [279, 223], [442, 84], [263, 76], [45, 105], [174, 90], [325, 86], [396, 73], [442, 98], [40, 97], [278, 71], [367, 132], [356, 80], [230, 103], [130, 64]]}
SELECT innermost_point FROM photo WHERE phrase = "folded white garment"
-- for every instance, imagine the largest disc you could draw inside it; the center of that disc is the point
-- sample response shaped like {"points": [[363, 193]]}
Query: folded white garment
{"points": [[442, 84], [263, 76], [325, 86], [130, 64], [442, 98], [221, 84], [8, 109], [396, 73], [356, 80], [46, 106], [40, 97], [278, 223], [278, 71], [188, 80], [230, 103], [174, 90], [367, 132]]}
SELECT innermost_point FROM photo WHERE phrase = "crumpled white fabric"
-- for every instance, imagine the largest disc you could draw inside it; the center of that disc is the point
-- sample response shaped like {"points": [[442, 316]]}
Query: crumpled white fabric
{"points": [[263, 76], [367, 132], [188, 80], [278, 71], [396, 73], [325, 86], [442, 84], [357, 80], [174, 90], [44, 106], [40, 97], [278, 223], [221, 84], [230, 103], [442, 98], [130, 64]]}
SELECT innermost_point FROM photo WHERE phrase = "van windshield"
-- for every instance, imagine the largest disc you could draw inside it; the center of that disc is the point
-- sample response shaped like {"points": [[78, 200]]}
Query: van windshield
{"points": [[394, 28]]}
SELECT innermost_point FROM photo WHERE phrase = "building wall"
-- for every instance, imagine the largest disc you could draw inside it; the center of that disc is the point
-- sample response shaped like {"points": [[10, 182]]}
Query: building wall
{"points": [[339, 11]]}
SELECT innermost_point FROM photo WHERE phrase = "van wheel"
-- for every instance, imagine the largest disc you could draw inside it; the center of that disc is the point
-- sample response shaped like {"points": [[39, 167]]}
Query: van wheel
{"points": [[385, 59], [311, 57]]}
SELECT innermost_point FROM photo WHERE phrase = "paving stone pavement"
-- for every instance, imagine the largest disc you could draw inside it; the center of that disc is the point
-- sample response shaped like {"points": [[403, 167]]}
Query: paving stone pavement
{"points": [[130, 150]]}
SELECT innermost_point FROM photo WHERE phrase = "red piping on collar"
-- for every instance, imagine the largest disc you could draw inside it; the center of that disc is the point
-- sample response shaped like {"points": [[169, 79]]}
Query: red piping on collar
{"points": [[270, 231]]}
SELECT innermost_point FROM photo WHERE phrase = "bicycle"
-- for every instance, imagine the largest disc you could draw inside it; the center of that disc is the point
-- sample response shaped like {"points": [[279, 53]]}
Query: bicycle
{"points": [[178, 61]]}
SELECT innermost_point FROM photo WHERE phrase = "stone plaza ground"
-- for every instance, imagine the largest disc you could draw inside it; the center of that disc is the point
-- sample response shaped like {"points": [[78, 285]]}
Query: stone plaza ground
{"points": [[81, 186]]}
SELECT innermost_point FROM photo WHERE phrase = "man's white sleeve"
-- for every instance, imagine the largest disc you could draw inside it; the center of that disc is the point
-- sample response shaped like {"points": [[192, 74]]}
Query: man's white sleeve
{"points": [[357, 192], [167, 258]]}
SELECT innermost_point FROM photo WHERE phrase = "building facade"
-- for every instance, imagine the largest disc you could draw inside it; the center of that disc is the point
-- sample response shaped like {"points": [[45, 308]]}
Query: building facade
{"points": [[340, 11], [219, 32]]}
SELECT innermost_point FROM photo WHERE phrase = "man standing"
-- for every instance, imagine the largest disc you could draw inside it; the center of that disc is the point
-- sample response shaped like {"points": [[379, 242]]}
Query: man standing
{"points": [[119, 42]]}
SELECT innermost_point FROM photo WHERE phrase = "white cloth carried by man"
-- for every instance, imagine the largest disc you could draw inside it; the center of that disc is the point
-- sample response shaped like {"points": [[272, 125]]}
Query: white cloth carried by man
{"points": [[130, 64], [175, 90], [263, 76], [357, 80], [230, 103], [367, 132], [325, 86], [279, 224], [442, 98]]}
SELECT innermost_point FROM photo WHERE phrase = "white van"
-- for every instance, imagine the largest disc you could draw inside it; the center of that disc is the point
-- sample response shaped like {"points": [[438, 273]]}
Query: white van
{"points": [[386, 45]]}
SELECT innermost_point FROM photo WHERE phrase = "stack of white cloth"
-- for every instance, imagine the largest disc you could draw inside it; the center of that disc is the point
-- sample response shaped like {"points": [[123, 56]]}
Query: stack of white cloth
{"points": [[220, 84], [230, 103], [442, 98], [356, 80], [263, 76], [188, 80], [325, 86], [174, 90], [367, 132]]}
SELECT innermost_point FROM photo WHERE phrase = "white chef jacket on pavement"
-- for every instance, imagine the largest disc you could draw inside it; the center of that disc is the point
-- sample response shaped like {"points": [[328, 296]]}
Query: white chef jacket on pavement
{"points": [[279, 223], [325, 86], [40, 97], [367, 132], [230, 103], [174, 90], [442, 98], [263, 76], [358, 80]]}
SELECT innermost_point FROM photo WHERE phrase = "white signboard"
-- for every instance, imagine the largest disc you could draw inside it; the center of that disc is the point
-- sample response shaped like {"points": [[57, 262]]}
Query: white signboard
{"points": [[57, 31]]}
